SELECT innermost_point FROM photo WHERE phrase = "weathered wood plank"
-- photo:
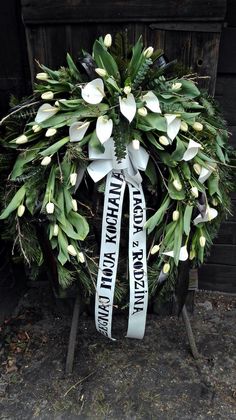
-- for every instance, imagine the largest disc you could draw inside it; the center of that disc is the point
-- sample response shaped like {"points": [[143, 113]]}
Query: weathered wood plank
{"points": [[217, 277], [227, 56], [227, 234], [225, 253], [231, 13], [225, 95], [120, 10]]}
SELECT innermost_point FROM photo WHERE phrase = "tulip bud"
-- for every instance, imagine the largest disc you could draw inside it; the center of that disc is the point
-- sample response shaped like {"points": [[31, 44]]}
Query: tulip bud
{"points": [[177, 184], [197, 126], [194, 192], [148, 52], [107, 40], [20, 210], [50, 208], [142, 111], [127, 89], [175, 215], [176, 86], [74, 204], [136, 144], [81, 257], [22, 139], [55, 230], [184, 126], [202, 241], [164, 140], [215, 202], [42, 76], [36, 128], [46, 161], [73, 178], [166, 268], [101, 72], [47, 95], [50, 132], [192, 254], [71, 250], [197, 168], [155, 249]]}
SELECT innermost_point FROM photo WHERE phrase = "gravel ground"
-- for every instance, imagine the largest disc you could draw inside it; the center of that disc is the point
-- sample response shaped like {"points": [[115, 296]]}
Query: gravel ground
{"points": [[155, 378]]}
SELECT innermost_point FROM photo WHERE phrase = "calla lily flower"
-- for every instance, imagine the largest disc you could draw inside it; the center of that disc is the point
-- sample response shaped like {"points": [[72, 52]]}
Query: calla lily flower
{"points": [[204, 174], [191, 151], [209, 215], [77, 131], [104, 128], [93, 92], [44, 112], [183, 254], [152, 102], [128, 106], [173, 125]]}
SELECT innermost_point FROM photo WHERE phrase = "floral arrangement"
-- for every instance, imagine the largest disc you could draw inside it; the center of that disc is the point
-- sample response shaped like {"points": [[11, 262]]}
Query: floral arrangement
{"points": [[85, 119]]}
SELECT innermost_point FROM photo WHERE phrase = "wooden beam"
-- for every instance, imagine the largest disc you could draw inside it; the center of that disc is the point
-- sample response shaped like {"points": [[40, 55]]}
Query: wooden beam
{"points": [[61, 11]]}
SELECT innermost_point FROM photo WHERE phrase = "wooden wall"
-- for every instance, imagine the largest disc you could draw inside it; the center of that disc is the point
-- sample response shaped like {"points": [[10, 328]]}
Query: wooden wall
{"points": [[190, 33], [219, 272]]}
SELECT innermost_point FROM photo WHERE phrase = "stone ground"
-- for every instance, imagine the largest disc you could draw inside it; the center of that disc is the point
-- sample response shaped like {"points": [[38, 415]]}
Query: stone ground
{"points": [[156, 378]]}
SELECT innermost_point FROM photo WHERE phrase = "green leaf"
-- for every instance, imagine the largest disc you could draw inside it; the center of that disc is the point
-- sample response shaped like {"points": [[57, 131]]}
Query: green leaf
{"points": [[186, 170], [69, 230], [157, 218], [105, 60], [63, 255], [80, 224], [178, 239], [24, 158], [72, 67], [177, 155], [187, 219], [173, 193], [151, 172], [188, 89], [213, 184], [14, 203], [95, 142], [156, 122], [136, 61], [55, 147], [219, 153], [154, 141], [68, 200]]}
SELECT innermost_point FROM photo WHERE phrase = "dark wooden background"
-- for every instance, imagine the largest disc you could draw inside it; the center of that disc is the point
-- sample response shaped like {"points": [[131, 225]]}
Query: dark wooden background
{"points": [[200, 34]]}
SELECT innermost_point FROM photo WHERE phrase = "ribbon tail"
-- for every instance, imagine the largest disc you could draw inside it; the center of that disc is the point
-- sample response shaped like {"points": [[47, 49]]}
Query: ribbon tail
{"points": [[137, 264], [109, 252]]}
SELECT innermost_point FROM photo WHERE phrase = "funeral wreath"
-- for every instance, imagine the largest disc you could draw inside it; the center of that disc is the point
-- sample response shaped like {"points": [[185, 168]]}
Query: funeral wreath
{"points": [[125, 168]]}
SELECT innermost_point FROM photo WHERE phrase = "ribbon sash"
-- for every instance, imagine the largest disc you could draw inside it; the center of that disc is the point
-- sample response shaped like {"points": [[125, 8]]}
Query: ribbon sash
{"points": [[109, 253]]}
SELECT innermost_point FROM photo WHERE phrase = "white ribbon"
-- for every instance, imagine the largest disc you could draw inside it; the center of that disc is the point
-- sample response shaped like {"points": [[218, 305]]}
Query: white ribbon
{"points": [[118, 175]]}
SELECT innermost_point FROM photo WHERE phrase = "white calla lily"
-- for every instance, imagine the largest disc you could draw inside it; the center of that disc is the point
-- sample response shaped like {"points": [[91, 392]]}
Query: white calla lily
{"points": [[128, 106], [44, 112], [209, 215], [104, 128], [183, 254], [77, 131], [93, 92], [204, 174], [191, 151], [152, 102], [173, 125]]}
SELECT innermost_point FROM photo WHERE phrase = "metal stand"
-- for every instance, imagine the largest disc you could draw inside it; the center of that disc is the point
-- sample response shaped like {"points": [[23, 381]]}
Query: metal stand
{"points": [[72, 338]]}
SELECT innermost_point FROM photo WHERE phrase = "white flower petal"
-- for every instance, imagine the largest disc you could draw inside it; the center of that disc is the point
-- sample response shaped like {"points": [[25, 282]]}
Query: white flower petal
{"points": [[93, 92], [183, 255], [44, 112], [128, 107], [204, 174], [173, 125], [104, 128], [152, 102], [191, 151], [209, 215], [77, 131]]}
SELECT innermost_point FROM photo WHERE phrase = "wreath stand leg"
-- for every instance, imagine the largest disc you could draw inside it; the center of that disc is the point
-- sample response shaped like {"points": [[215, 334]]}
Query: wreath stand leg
{"points": [[189, 331], [72, 337]]}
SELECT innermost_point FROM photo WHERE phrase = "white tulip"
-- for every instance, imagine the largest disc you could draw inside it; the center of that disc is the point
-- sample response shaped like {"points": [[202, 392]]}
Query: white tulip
{"points": [[176, 86], [197, 168], [73, 178], [148, 52], [155, 249], [192, 254], [184, 126], [166, 268], [81, 257], [47, 95], [175, 215], [20, 210], [46, 161], [177, 184], [127, 89], [136, 144], [42, 76], [197, 126], [107, 40], [101, 72], [55, 230], [74, 204], [22, 139], [50, 132], [164, 140], [50, 208], [194, 192], [142, 111], [71, 250], [202, 241], [36, 128]]}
